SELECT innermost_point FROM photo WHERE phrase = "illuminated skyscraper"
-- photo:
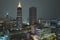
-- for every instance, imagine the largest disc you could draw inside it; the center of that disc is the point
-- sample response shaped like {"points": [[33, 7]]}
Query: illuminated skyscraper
{"points": [[7, 15], [32, 15], [19, 16]]}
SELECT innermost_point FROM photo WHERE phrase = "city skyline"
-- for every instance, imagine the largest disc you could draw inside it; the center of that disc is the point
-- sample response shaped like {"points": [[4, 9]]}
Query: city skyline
{"points": [[45, 9], [29, 20]]}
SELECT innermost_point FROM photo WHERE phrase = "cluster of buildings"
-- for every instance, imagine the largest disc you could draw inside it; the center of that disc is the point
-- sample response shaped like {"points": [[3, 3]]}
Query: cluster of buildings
{"points": [[18, 20], [53, 26], [8, 23]]}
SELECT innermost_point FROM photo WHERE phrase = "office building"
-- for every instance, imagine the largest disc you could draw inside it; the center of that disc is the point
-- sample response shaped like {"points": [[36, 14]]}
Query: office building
{"points": [[32, 15], [19, 16]]}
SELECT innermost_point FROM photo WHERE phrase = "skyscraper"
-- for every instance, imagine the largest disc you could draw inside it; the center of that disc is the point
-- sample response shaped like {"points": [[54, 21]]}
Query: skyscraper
{"points": [[19, 16], [32, 15], [32, 19]]}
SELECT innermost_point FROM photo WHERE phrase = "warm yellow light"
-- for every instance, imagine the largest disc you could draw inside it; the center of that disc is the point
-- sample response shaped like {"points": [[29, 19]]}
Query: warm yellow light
{"points": [[19, 5], [35, 37]]}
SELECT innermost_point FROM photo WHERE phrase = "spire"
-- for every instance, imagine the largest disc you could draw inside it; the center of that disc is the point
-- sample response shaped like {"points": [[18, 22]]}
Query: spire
{"points": [[19, 5]]}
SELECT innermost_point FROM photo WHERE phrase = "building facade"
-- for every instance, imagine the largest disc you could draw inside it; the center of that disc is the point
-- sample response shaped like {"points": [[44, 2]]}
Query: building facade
{"points": [[32, 15], [19, 16], [33, 19]]}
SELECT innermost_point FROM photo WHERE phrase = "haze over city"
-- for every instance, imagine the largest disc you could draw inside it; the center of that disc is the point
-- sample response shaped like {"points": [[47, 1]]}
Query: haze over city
{"points": [[45, 8]]}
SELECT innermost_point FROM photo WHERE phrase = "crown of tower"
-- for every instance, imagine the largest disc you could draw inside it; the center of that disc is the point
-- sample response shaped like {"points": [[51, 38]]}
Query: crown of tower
{"points": [[19, 5]]}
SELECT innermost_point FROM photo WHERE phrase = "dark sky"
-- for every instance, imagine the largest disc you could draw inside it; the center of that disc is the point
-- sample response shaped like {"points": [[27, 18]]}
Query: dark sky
{"points": [[45, 8]]}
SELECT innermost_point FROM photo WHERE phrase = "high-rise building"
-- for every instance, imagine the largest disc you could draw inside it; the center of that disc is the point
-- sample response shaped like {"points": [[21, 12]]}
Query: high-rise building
{"points": [[7, 15], [32, 15], [19, 16], [32, 19]]}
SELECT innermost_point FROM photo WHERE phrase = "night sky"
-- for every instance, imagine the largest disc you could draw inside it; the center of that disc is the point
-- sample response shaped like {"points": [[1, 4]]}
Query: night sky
{"points": [[45, 8]]}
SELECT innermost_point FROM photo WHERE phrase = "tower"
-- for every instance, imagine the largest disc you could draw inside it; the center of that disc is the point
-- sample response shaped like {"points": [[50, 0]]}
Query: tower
{"points": [[32, 15], [19, 16], [32, 19], [7, 15]]}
